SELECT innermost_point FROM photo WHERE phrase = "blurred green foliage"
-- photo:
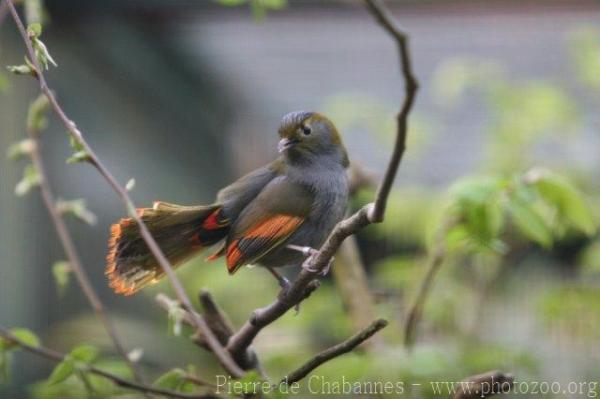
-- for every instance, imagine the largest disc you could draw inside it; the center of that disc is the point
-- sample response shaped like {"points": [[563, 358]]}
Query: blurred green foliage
{"points": [[585, 52], [259, 8]]}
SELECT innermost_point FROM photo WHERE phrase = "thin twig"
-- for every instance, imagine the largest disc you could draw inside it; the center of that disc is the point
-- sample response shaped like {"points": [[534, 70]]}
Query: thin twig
{"points": [[216, 319], [71, 252], [165, 302], [434, 263], [218, 324], [335, 351], [386, 20], [352, 284], [484, 385], [224, 358], [122, 382], [374, 212]]}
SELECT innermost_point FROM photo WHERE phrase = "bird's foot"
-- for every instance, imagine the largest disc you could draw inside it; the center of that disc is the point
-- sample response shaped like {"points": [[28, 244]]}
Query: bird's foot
{"points": [[308, 265], [283, 282], [285, 285]]}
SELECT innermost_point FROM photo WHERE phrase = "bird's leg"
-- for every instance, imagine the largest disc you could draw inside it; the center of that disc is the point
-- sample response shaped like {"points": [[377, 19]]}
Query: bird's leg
{"points": [[306, 251], [283, 282], [310, 253]]}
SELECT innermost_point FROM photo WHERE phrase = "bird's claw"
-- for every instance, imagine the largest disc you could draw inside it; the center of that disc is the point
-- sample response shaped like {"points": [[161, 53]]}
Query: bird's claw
{"points": [[327, 268], [285, 285], [307, 265]]}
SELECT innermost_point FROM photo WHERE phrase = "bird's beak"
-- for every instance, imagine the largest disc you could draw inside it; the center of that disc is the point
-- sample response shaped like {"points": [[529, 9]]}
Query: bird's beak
{"points": [[284, 144]]}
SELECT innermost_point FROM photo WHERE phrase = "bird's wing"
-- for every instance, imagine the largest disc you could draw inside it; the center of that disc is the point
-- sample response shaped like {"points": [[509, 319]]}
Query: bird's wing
{"points": [[235, 197], [277, 212]]}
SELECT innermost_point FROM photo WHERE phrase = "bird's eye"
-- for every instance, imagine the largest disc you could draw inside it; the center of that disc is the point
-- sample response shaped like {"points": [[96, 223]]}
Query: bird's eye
{"points": [[306, 130]]}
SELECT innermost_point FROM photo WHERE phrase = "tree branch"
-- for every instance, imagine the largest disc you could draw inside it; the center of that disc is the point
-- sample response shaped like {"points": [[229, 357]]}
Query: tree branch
{"points": [[484, 385], [353, 285], [71, 252], [219, 324], [217, 320], [386, 20], [58, 357], [335, 351], [222, 355], [434, 263], [374, 212], [165, 302]]}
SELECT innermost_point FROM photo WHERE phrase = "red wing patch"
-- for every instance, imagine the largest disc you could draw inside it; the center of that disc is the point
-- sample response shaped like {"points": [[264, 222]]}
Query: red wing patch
{"points": [[260, 239], [214, 221]]}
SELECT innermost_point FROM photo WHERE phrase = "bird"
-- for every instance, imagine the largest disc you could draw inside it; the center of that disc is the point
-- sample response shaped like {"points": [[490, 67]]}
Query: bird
{"points": [[268, 217]]}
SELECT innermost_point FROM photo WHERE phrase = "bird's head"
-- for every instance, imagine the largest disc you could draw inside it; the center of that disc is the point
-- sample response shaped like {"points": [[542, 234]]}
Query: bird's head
{"points": [[309, 136]]}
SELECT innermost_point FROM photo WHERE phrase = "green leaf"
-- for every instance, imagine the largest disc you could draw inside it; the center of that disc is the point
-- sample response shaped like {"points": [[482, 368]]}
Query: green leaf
{"points": [[116, 367], [274, 4], [61, 372], [529, 221], [171, 380], [558, 192], [30, 180], [80, 154], [76, 360], [78, 157], [36, 115], [476, 206], [62, 273], [26, 336], [20, 149], [249, 380], [34, 29], [77, 208], [42, 53], [259, 8], [84, 353], [21, 70]]}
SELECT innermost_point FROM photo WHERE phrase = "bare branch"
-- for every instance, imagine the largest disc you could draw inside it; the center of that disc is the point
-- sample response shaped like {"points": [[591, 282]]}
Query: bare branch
{"points": [[416, 309], [335, 351], [223, 357], [122, 382], [165, 302], [484, 385], [217, 320], [304, 283], [434, 263], [352, 284], [386, 20], [71, 252]]}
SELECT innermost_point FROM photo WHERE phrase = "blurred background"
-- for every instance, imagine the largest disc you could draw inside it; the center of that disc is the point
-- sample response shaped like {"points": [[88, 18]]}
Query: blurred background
{"points": [[185, 96]]}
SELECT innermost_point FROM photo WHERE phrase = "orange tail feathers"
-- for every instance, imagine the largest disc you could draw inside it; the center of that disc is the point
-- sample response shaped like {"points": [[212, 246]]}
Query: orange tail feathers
{"points": [[180, 231]]}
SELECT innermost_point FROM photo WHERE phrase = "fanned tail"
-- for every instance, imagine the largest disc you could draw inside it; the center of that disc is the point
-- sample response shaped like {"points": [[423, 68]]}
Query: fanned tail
{"points": [[180, 231]]}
